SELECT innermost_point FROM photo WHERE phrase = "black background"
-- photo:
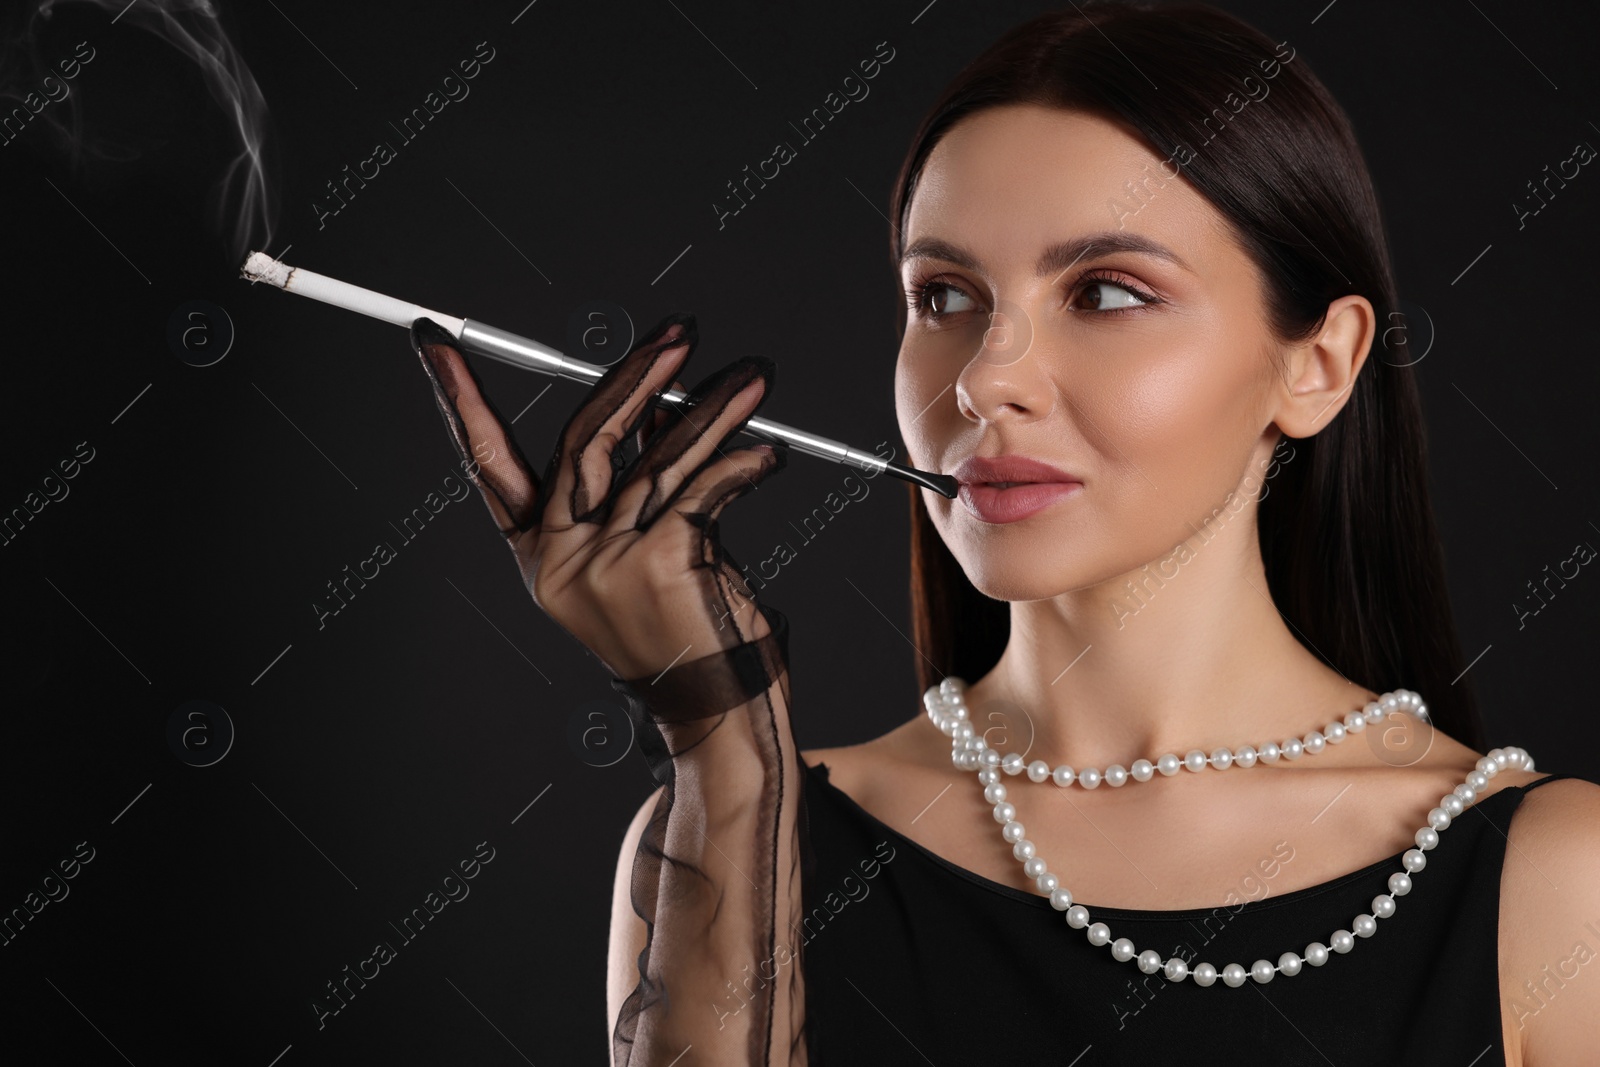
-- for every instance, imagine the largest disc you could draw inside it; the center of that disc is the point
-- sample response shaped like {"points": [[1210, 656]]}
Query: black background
{"points": [[375, 753]]}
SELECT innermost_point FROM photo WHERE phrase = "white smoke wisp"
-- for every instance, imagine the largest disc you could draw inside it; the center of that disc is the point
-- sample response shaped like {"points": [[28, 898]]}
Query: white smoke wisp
{"points": [[242, 200]]}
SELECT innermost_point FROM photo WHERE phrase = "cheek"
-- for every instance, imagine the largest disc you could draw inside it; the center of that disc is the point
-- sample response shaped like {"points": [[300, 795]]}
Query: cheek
{"points": [[1169, 416], [1183, 431], [917, 384]]}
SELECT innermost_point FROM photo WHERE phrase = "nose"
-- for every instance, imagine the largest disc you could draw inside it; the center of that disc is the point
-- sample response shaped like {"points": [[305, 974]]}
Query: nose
{"points": [[1006, 378]]}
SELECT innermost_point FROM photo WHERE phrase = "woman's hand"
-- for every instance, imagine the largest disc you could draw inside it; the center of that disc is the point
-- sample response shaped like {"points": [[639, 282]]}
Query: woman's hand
{"points": [[624, 556]]}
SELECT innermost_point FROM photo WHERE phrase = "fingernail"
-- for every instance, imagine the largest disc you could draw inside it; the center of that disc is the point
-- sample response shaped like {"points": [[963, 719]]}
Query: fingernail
{"points": [[765, 366], [425, 331], [687, 334]]}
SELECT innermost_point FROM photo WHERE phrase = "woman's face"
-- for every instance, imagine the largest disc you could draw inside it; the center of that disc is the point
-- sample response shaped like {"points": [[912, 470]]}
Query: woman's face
{"points": [[1148, 378]]}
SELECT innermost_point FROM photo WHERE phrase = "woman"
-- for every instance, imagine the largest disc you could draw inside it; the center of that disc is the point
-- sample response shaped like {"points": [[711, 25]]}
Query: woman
{"points": [[1143, 266]]}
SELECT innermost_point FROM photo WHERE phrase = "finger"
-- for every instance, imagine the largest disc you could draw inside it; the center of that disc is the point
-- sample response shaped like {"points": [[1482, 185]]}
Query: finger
{"points": [[489, 452], [700, 505], [577, 483], [714, 411], [657, 420]]}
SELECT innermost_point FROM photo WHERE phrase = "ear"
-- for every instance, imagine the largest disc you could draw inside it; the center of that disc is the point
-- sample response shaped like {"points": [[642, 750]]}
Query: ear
{"points": [[1320, 372]]}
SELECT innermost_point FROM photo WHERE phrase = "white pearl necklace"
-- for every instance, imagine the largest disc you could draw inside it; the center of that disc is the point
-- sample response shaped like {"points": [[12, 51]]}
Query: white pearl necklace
{"points": [[946, 707], [966, 755]]}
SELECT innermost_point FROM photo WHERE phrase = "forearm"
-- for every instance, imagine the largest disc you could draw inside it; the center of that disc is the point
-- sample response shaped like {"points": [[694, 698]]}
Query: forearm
{"points": [[719, 879]]}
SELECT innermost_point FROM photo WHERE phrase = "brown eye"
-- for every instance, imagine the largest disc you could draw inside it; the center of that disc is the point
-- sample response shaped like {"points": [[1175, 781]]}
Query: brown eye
{"points": [[1103, 294], [943, 299]]}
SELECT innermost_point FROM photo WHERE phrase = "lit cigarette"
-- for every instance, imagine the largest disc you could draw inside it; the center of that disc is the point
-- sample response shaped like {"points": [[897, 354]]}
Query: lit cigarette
{"points": [[531, 355]]}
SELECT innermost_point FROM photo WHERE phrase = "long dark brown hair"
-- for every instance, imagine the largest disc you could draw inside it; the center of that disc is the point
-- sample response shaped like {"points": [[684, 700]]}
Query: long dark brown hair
{"points": [[1347, 533]]}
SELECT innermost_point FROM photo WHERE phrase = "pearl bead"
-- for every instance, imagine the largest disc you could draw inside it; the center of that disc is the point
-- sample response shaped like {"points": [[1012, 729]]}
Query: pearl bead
{"points": [[947, 711]]}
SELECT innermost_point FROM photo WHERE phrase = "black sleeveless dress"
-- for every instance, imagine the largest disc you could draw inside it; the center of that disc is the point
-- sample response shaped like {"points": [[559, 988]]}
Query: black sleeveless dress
{"points": [[911, 959]]}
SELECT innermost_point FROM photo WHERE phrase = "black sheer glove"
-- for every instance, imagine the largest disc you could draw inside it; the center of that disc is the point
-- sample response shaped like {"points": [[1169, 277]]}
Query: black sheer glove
{"points": [[625, 555]]}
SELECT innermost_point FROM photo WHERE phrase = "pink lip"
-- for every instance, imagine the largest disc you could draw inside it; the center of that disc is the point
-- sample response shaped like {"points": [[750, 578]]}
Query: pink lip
{"points": [[990, 503]]}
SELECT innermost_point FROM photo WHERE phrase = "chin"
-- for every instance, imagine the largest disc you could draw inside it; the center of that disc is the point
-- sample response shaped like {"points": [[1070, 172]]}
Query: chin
{"points": [[1021, 561], [1012, 576]]}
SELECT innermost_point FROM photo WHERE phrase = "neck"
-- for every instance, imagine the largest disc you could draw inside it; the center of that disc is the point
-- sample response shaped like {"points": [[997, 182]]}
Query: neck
{"points": [[1166, 658]]}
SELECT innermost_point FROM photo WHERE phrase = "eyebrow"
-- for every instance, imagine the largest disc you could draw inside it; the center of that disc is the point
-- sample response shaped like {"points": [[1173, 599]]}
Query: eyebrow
{"points": [[1056, 258]]}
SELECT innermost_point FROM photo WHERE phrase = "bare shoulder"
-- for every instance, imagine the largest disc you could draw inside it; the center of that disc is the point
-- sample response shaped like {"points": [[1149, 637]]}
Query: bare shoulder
{"points": [[1550, 924], [855, 768]]}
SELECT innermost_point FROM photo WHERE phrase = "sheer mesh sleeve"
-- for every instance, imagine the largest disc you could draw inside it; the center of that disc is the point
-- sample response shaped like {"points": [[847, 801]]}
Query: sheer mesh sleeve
{"points": [[626, 554], [717, 874]]}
